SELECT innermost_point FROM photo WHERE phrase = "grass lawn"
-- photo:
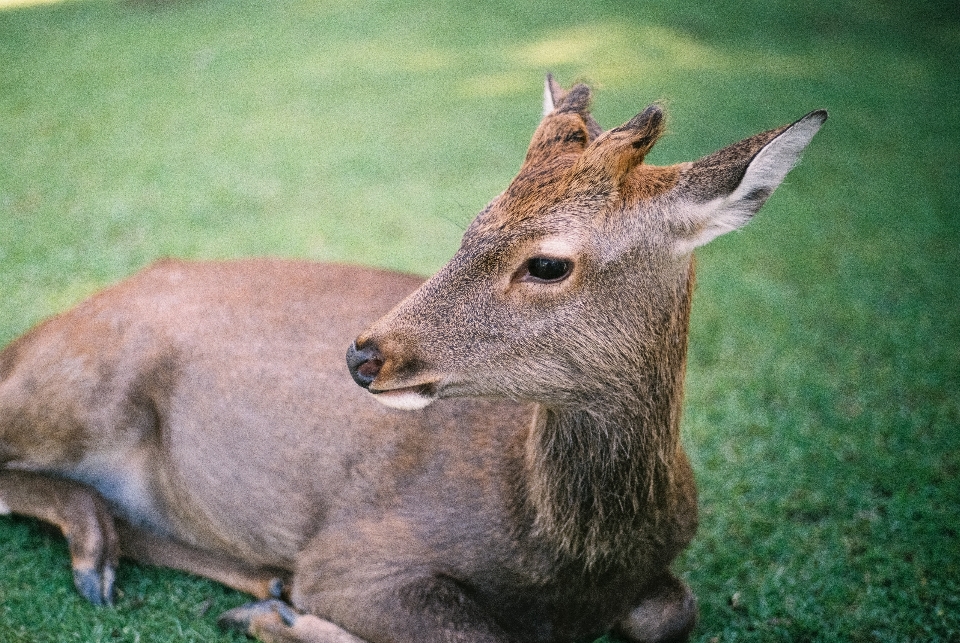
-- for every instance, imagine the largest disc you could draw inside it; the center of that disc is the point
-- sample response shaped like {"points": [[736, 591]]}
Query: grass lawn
{"points": [[823, 413]]}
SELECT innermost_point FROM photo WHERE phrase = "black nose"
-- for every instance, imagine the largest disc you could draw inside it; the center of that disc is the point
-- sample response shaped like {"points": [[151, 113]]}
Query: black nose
{"points": [[364, 364]]}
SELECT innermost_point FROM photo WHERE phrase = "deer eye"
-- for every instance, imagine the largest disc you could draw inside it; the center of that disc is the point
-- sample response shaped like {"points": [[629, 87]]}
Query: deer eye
{"points": [[545, 269]]}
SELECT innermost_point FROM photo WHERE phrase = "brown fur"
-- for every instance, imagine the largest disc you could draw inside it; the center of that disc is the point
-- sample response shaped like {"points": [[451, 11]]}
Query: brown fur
{"points": [[199, 415]]}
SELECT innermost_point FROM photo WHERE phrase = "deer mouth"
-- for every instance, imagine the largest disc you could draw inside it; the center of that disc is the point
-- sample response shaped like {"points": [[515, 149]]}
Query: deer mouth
{"points": [[408, 398]]}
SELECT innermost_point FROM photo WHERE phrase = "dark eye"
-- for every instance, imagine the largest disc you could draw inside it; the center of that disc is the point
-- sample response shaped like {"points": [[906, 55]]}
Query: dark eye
{"points": [[544, 269]]}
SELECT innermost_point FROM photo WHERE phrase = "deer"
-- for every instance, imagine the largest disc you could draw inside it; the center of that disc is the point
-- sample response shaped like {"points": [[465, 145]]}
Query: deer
{"points": [[499, 460]]}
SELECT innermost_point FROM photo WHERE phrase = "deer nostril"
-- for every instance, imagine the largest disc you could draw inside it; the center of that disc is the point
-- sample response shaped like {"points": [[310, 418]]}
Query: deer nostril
{"points": [[364, 364], [370, 368]]}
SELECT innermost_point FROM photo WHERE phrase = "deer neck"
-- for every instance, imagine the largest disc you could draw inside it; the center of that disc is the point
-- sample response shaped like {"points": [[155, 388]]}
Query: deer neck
{"points": [[600, 476]]}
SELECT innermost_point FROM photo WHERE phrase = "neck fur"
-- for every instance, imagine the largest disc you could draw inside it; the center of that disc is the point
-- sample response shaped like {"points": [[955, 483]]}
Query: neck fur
{"points": [[600, 476]]}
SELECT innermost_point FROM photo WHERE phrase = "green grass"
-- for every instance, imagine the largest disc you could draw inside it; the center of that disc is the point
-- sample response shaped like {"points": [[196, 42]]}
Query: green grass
{"points": [[823, 414]]}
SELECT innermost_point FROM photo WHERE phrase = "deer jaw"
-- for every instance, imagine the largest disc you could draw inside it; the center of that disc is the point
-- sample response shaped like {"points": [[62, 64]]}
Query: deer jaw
{"points": [[487, 325]]}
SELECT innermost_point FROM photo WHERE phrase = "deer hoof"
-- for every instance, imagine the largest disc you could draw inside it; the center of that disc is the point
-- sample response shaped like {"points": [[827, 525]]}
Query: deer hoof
{"points": [[246, 617], [95, 586], [277, 588]]}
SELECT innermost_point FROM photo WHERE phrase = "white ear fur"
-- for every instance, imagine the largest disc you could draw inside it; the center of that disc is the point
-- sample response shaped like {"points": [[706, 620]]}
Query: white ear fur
{"points": [[771, 165], [764, 173], [548, 105]]}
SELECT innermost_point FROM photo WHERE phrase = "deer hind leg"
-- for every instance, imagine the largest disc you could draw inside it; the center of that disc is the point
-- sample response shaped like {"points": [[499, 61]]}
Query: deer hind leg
{"points": [[80, 514], [96, 539], [151, 549], [668, 615]]}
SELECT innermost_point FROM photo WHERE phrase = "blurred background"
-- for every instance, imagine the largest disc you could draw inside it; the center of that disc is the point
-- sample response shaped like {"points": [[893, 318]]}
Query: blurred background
{"points": [[823, 413]]}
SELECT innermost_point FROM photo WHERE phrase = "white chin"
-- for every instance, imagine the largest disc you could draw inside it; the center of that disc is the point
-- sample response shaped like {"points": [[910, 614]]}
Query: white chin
{"points": [[404, 399]]}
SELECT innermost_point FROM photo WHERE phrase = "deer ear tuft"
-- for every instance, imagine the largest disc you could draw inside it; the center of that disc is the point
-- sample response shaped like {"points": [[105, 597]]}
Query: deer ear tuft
{"points": [[644, 129], [620, 150]]}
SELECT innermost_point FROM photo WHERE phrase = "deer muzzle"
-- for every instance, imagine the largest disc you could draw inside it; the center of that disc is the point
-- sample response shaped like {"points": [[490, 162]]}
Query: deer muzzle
{"points": [[364, 364]]}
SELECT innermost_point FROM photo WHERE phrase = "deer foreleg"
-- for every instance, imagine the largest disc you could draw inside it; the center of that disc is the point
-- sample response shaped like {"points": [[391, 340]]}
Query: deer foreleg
{"points": [[273, 621], [429, 609], [81, 514]]}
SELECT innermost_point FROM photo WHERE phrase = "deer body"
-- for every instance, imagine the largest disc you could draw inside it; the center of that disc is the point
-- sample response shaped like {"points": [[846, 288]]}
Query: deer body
{"points": [[531, 485]]}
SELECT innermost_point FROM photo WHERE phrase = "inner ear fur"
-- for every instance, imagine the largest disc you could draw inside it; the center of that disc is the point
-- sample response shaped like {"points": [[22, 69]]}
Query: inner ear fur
{"points": [[553, 94], [719, 174]]}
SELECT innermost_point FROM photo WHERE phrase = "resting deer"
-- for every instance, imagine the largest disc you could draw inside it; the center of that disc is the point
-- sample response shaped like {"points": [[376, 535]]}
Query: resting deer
{"points": [[529, 484]]}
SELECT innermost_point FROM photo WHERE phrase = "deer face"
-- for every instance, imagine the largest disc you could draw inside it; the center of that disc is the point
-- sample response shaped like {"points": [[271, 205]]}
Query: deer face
{"points": [[574, 281]]}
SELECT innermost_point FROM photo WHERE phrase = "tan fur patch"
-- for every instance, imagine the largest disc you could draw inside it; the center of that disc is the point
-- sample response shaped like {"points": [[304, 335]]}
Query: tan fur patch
{"points": [[648, 181]]}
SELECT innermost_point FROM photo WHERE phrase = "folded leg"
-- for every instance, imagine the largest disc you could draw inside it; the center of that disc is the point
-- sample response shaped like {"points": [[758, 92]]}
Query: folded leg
{"points": [[425, 609], [273, 621], [148, 548], [668, 615], [81, 514]]}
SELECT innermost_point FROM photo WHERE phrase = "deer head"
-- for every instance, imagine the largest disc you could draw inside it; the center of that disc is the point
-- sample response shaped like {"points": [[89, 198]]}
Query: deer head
{"points": [[571, 288]]}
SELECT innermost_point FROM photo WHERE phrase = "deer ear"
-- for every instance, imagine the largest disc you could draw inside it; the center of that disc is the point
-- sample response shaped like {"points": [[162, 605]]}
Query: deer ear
{"points": [[724, 190], [564, 130], [553, 94]]}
